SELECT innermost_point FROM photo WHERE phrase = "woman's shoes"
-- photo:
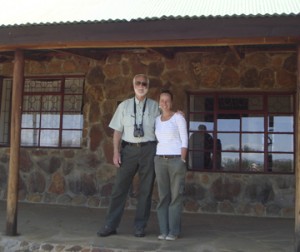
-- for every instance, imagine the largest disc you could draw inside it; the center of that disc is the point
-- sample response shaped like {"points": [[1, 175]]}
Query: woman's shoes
{"points": [[162, 237], [168, 237], [171, 237]]}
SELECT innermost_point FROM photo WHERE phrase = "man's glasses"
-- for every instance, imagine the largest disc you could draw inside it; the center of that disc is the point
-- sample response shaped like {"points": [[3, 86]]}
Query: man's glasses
{"points": [[141, 83]]}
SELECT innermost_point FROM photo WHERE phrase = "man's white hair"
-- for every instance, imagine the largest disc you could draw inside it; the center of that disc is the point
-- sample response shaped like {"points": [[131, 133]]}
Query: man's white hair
{"points": [[142, 75]]}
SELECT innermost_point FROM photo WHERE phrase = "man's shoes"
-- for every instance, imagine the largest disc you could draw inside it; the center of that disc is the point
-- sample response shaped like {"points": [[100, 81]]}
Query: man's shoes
{"points": [[139, 232], [106, 231]]}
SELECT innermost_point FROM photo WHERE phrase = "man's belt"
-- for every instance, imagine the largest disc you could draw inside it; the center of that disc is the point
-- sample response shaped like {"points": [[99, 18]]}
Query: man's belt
{"points": [[124, 143], [169, 156]]}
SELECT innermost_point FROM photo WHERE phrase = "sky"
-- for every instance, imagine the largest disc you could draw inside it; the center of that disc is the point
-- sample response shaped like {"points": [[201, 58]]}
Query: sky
{"points": [[49, 11]]}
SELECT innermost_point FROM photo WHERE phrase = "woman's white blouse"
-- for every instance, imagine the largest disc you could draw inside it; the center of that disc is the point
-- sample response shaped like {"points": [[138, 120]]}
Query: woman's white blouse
{"points": [[171, 135]]}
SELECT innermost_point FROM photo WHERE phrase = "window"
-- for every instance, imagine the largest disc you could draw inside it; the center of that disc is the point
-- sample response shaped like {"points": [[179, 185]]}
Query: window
{"points": [[5, 107], [241, 132], [51, 112]]}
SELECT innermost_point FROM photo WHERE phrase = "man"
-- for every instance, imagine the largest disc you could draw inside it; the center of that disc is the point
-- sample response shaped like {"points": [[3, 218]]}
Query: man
{"points": [[202, 144], [134, 145]]}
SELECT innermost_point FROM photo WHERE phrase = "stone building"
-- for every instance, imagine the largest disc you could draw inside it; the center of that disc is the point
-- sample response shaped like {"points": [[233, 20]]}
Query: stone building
{"points": [[226, 77]]}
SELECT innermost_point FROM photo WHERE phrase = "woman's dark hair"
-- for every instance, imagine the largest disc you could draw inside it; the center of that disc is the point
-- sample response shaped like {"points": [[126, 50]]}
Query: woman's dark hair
{"points": [[167, 91]]}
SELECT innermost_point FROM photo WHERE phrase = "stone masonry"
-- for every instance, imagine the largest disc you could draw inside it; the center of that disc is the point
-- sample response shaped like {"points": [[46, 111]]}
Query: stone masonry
{"points": [[84, 176]]}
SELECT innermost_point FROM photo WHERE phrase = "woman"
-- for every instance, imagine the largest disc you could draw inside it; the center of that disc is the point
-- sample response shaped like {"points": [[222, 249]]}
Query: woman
{"points": [[170, 168]]}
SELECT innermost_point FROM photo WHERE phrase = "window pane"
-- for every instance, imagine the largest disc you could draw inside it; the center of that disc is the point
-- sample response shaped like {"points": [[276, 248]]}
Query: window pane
{"points": [[255, 102], [29, 137], [73, 103], [238, 102], [253, 162], [227, 122], [49, 138], [253, 142], [253, 123], [74, 86], [281, 123], [51, 103], [280, 103], [72, 121], [281, 142], [281, 162], [50, 120], [217, 158], [40, 85], [30, 120], [232, 102], [194, 125], [229, 141], [201, 141], [71, 138], [32, 103], [200, 160], [230, 161], [201, 103]]}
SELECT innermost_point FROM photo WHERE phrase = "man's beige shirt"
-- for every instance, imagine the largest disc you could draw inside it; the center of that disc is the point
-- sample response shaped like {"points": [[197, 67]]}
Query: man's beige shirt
{"points": [[123, 119]]}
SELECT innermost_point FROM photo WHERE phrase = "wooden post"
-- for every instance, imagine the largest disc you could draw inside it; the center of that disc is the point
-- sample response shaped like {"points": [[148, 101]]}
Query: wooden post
{"points": [[15, 130]]}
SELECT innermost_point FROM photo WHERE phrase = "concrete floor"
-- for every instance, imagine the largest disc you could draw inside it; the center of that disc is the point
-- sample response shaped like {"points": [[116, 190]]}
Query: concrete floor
{"points": [[69, 228]]}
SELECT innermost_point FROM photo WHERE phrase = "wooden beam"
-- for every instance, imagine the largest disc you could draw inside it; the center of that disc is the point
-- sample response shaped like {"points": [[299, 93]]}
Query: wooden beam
{"points": [[168, 52], [13, 175], [297, 163], [151, 44]]}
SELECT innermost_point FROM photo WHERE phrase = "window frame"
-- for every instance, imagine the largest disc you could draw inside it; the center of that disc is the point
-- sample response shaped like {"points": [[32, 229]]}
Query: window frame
{"points": [[61, 112], [5, 110], [214, 111]]}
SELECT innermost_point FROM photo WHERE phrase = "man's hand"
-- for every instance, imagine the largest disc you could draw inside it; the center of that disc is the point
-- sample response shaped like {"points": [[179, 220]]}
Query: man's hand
{"points": [[116, 143], [117, 159]]}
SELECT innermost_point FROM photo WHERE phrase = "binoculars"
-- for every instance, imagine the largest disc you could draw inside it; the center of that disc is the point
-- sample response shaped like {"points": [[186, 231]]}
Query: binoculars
{"points": [[138, 131]]}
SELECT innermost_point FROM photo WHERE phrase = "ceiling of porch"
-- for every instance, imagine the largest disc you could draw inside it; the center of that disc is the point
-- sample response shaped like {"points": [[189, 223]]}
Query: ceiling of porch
{"points": [[168, 52]]}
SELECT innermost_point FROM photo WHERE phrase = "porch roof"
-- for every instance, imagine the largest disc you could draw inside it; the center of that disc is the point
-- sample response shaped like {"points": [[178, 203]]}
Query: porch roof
{"points": [[34, 12], [159, 24]]}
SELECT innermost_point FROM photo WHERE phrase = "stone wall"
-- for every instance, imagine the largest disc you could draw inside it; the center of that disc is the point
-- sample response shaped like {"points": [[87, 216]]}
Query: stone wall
{"points": [[85, 176]]}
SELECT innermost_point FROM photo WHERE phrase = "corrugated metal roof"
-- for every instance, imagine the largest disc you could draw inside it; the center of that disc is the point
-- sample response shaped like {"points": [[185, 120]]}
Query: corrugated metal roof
{"points": [[29, 12]]}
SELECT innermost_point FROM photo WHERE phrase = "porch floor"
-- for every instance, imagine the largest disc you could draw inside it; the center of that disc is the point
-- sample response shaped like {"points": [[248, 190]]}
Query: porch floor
{"points": [[68, 228]]}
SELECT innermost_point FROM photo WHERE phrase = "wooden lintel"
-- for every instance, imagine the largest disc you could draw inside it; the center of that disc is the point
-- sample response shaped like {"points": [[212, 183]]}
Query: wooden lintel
{"points": [[151, 44], [169, 53]]}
